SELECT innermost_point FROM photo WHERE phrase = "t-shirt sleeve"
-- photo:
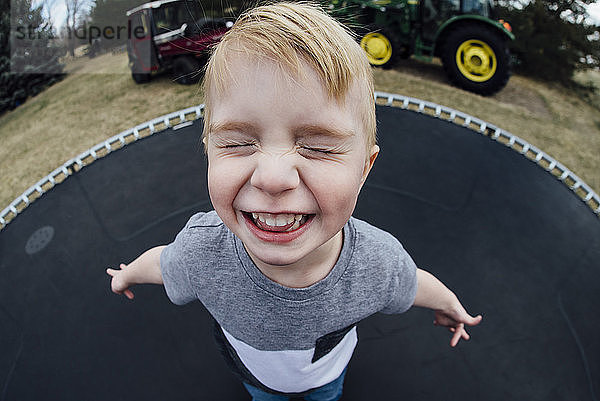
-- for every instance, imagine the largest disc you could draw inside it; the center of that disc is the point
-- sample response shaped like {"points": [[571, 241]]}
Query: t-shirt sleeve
{"points": [[402, 288], [175, 263]]}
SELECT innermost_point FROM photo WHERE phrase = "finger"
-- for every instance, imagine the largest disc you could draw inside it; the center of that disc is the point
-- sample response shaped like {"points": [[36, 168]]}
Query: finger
{"points": [[128, 294], [122, 265], [455, 338], [459, 332], [473, 321], [111, 272]]}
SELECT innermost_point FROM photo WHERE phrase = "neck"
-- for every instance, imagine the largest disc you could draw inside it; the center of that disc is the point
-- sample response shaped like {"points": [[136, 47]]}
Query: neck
{"points": [[311, 269]]}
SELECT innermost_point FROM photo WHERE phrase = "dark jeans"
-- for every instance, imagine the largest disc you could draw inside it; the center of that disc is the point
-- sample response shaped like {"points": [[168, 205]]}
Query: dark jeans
{"points": [[328, 392]]}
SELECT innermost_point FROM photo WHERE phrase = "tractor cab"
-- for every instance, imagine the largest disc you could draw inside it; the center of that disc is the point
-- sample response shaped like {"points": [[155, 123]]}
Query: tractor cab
{"points": [[171, 35], [471, 43], [434, 13]]}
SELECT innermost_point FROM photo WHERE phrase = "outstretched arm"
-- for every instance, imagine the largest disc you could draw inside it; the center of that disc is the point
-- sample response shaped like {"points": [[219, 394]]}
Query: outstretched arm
{"points": [[143, 270], [433, 294]]}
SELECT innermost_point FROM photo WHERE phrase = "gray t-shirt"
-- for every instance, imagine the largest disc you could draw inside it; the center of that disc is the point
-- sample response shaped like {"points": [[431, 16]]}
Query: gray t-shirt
{"points": [[288, 339]]}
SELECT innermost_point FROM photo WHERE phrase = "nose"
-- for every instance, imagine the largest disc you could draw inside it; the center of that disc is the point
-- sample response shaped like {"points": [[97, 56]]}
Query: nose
{"points": [[275, 174]]}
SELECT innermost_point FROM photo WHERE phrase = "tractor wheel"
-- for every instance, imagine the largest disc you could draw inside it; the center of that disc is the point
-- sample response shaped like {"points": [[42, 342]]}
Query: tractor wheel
{"points": [[186, 70], [382, 47], [139, 77], [476, 59]]}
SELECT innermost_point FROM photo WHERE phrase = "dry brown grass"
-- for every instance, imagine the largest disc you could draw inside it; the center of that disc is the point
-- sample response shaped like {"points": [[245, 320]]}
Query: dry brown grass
{"points": [[99, 99], [76, 114]]}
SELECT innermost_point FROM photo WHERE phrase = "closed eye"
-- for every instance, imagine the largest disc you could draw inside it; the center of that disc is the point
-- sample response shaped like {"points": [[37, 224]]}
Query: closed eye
{"points": [[236, 148], [320, 153], [319, 150], [237, 145]]}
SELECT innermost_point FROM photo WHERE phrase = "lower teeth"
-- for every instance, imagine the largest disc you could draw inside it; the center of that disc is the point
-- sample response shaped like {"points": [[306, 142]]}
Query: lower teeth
{"points": [[294, 226]]}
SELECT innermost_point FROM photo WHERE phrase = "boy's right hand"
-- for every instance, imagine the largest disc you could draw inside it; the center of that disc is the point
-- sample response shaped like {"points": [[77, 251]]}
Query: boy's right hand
{"points": [[119, 283]]}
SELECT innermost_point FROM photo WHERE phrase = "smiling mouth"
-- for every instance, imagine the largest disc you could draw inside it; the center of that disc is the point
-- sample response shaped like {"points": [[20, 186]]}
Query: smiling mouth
{"points": [[280, 222]]}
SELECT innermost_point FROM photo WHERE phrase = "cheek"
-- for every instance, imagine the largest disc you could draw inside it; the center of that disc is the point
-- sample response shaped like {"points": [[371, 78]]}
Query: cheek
{"points": [[224, 182], [337, 189]]}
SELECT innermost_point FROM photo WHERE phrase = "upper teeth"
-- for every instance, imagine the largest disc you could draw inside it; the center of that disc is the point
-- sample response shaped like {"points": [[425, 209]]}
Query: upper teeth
{"points": [[277, 220]]}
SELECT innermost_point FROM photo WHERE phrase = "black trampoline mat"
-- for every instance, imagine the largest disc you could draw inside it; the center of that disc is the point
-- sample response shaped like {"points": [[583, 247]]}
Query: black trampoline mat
{"points": [[511, 240]]}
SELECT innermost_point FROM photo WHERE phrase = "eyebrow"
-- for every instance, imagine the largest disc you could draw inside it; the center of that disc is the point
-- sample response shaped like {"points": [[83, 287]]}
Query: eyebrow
{"points": [[246, 128], [319, 130], [299, 132]]}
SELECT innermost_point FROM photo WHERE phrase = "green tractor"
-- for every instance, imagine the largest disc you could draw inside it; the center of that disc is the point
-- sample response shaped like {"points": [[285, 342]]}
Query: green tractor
{"points": [[472, 45]]}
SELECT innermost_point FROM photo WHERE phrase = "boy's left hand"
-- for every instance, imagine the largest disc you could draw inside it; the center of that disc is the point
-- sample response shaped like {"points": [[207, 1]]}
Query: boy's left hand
{"points": [[455, 320]]}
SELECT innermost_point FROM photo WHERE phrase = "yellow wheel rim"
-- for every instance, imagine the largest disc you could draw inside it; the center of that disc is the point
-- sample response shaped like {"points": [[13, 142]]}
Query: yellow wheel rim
{"points": [[476, 60], [377, 47]]}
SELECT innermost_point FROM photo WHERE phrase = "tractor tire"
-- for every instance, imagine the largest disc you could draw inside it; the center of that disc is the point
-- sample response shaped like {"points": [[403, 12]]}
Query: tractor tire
{"points": [[476, 58], [186, 70], [382, 47], [139, 77]]}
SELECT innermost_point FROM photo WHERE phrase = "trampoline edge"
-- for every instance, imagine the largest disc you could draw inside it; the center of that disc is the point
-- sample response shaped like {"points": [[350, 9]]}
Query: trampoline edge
{"points": [[583, 191]]}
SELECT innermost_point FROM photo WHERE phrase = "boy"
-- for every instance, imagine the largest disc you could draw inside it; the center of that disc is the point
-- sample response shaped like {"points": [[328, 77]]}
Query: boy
{"points": [[289, 131]]}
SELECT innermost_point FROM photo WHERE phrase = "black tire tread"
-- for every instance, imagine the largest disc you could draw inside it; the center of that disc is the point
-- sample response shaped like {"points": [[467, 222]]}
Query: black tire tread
{"points": [[394, 41], [186, 70], [476, 31]]}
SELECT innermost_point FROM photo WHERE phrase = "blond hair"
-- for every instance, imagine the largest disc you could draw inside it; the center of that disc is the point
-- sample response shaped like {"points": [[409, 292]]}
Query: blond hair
{"points": [[290, 34]]}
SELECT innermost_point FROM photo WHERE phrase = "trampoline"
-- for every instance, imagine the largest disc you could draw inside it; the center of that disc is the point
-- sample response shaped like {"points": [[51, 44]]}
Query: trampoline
{"points": [[505, 226]]}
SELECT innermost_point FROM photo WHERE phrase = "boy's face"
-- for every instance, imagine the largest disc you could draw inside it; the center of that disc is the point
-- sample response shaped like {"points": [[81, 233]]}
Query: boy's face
{"points": [[285, 161]]}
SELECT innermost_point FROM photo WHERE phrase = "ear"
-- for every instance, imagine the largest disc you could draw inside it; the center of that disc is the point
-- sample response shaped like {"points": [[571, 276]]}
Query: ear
{"points": [[205, 143], [373, 153]]}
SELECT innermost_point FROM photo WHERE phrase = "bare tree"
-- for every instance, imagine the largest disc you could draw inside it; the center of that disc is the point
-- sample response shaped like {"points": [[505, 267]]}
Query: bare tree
{"points": [[74, 8], [47, 5]]}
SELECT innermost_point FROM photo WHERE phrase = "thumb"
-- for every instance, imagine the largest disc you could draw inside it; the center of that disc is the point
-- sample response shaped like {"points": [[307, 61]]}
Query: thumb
{"points": [[472, 321]]}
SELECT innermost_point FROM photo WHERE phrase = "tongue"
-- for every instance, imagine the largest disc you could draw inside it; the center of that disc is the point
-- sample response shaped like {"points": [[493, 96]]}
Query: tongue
{"points": [[266, 227]]}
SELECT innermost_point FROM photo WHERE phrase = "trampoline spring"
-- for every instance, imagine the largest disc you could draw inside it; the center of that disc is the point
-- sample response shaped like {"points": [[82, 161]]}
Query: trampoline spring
{"points": [[182, 125], [136, 133], [589, 197], [25, 199], [576, 186], [421, 107], [525, 149], [438, 111], [405, 103], [564, 175]]}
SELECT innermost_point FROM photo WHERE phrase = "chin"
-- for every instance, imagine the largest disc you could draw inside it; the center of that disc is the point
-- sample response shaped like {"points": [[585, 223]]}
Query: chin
{"points": [[275, 258]]}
